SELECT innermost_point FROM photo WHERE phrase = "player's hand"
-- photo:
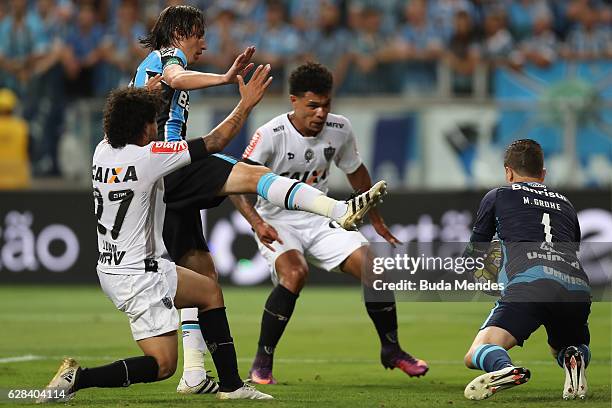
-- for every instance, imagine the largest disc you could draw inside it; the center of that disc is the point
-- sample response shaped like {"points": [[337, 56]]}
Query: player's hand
{"points": [[252, 92], [267, 234], [154, 84], [241, 66], [381, 229]]}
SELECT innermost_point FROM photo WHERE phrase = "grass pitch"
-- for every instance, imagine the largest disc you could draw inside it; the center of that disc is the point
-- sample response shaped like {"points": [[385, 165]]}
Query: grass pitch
{"points": [[327, 358]]}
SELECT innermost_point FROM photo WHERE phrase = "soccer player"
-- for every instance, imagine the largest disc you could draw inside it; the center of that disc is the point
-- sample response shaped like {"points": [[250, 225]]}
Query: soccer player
{"points": [[302, 144], [544, 282], [176, 41], [127, 172]]}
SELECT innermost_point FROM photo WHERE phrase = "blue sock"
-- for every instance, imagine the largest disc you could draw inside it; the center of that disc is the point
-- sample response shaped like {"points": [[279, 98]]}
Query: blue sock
{"points": [[490, 357], [586, 354]]}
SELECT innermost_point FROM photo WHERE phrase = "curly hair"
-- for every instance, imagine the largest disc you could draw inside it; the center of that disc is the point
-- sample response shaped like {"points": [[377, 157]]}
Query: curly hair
{"points": [[312, 77], [173, 24], [126, 113], [525, 156]]}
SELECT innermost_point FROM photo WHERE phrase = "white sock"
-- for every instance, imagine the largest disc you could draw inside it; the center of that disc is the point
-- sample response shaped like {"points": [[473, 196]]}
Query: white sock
{"points": [[293, 195], [194, 347]]}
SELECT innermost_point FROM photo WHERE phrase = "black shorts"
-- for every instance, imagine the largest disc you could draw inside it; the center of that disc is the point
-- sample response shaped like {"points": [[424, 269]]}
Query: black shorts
{"points": [[565, 318], [187, 191]]}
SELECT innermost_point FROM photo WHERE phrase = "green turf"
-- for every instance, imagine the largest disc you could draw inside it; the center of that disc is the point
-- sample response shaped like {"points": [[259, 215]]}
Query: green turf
{"points": [[328, 357]]}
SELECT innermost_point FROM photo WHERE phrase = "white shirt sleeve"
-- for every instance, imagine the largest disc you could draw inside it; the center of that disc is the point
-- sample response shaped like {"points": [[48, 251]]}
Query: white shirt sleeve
{"points": [[348, 159], [165, 157], [260, 148]]}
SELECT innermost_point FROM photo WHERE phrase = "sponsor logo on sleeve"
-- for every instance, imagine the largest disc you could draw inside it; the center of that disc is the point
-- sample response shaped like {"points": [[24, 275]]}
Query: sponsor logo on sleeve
{"points": [[249, 150], [168, 147]]}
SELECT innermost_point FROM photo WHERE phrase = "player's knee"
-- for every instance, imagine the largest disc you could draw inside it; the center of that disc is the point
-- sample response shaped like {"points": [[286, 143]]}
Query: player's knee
{"points": [[167, 366], [294, 278], [251, 173], [211, 296], [257, 172], [360, 265], [216, 296]]}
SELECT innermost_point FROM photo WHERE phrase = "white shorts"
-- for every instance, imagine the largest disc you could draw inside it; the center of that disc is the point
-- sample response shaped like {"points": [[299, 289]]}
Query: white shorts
{"points": [[324, 243], [147, 299]]}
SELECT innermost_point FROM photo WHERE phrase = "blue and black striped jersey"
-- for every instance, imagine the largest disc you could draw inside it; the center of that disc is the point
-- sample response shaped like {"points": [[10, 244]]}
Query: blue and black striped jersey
{"points": [[172, 121]]}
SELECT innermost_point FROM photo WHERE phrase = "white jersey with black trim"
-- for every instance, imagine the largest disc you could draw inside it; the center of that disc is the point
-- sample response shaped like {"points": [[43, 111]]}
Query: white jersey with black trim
{"points": [[281, 147], [128, 198]]}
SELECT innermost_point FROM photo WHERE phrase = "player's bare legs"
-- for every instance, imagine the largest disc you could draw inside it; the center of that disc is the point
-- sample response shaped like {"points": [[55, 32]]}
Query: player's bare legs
{"points": [[163, 349], [200, 261], [195, 289], [294, 195], [489, 335], [293, 270], [159, 361], [192, 289], [489, 353]]}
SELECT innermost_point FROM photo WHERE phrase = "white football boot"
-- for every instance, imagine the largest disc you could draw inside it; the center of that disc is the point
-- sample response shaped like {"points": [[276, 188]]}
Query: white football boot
{"points": [[247, 391], [61, 386], [358, 206], [575, 379], [206, 386], [485, 385]]}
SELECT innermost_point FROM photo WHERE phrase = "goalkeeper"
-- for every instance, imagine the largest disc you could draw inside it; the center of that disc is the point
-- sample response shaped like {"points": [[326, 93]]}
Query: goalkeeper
{"points": [[544, 283]]}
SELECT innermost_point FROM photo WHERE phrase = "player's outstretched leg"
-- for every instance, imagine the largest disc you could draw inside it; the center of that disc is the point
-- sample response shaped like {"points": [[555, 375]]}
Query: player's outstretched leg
{"points": [[574, 361], [500, 373], [295, 195]]}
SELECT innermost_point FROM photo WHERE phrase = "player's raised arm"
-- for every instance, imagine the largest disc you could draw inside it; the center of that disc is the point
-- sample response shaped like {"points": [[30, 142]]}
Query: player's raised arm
{"points": [[180, 78], [251, 93], [221, 135]]}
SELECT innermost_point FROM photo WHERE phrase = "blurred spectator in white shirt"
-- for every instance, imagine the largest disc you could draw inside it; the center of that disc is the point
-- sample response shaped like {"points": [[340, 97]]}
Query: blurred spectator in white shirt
{"points": [[590, 39]]}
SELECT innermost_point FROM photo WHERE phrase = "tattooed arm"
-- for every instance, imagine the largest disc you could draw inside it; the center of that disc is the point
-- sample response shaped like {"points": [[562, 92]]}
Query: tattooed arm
{"points": [[251, 94]]}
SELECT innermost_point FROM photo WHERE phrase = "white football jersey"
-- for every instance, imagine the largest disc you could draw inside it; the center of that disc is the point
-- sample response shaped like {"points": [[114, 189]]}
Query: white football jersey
{"points": [[128, 198], [279, 146]]}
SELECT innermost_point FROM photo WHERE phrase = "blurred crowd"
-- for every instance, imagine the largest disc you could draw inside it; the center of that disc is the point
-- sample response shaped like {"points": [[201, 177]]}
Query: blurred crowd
{"points": [[54, 52], [382, 46]]}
